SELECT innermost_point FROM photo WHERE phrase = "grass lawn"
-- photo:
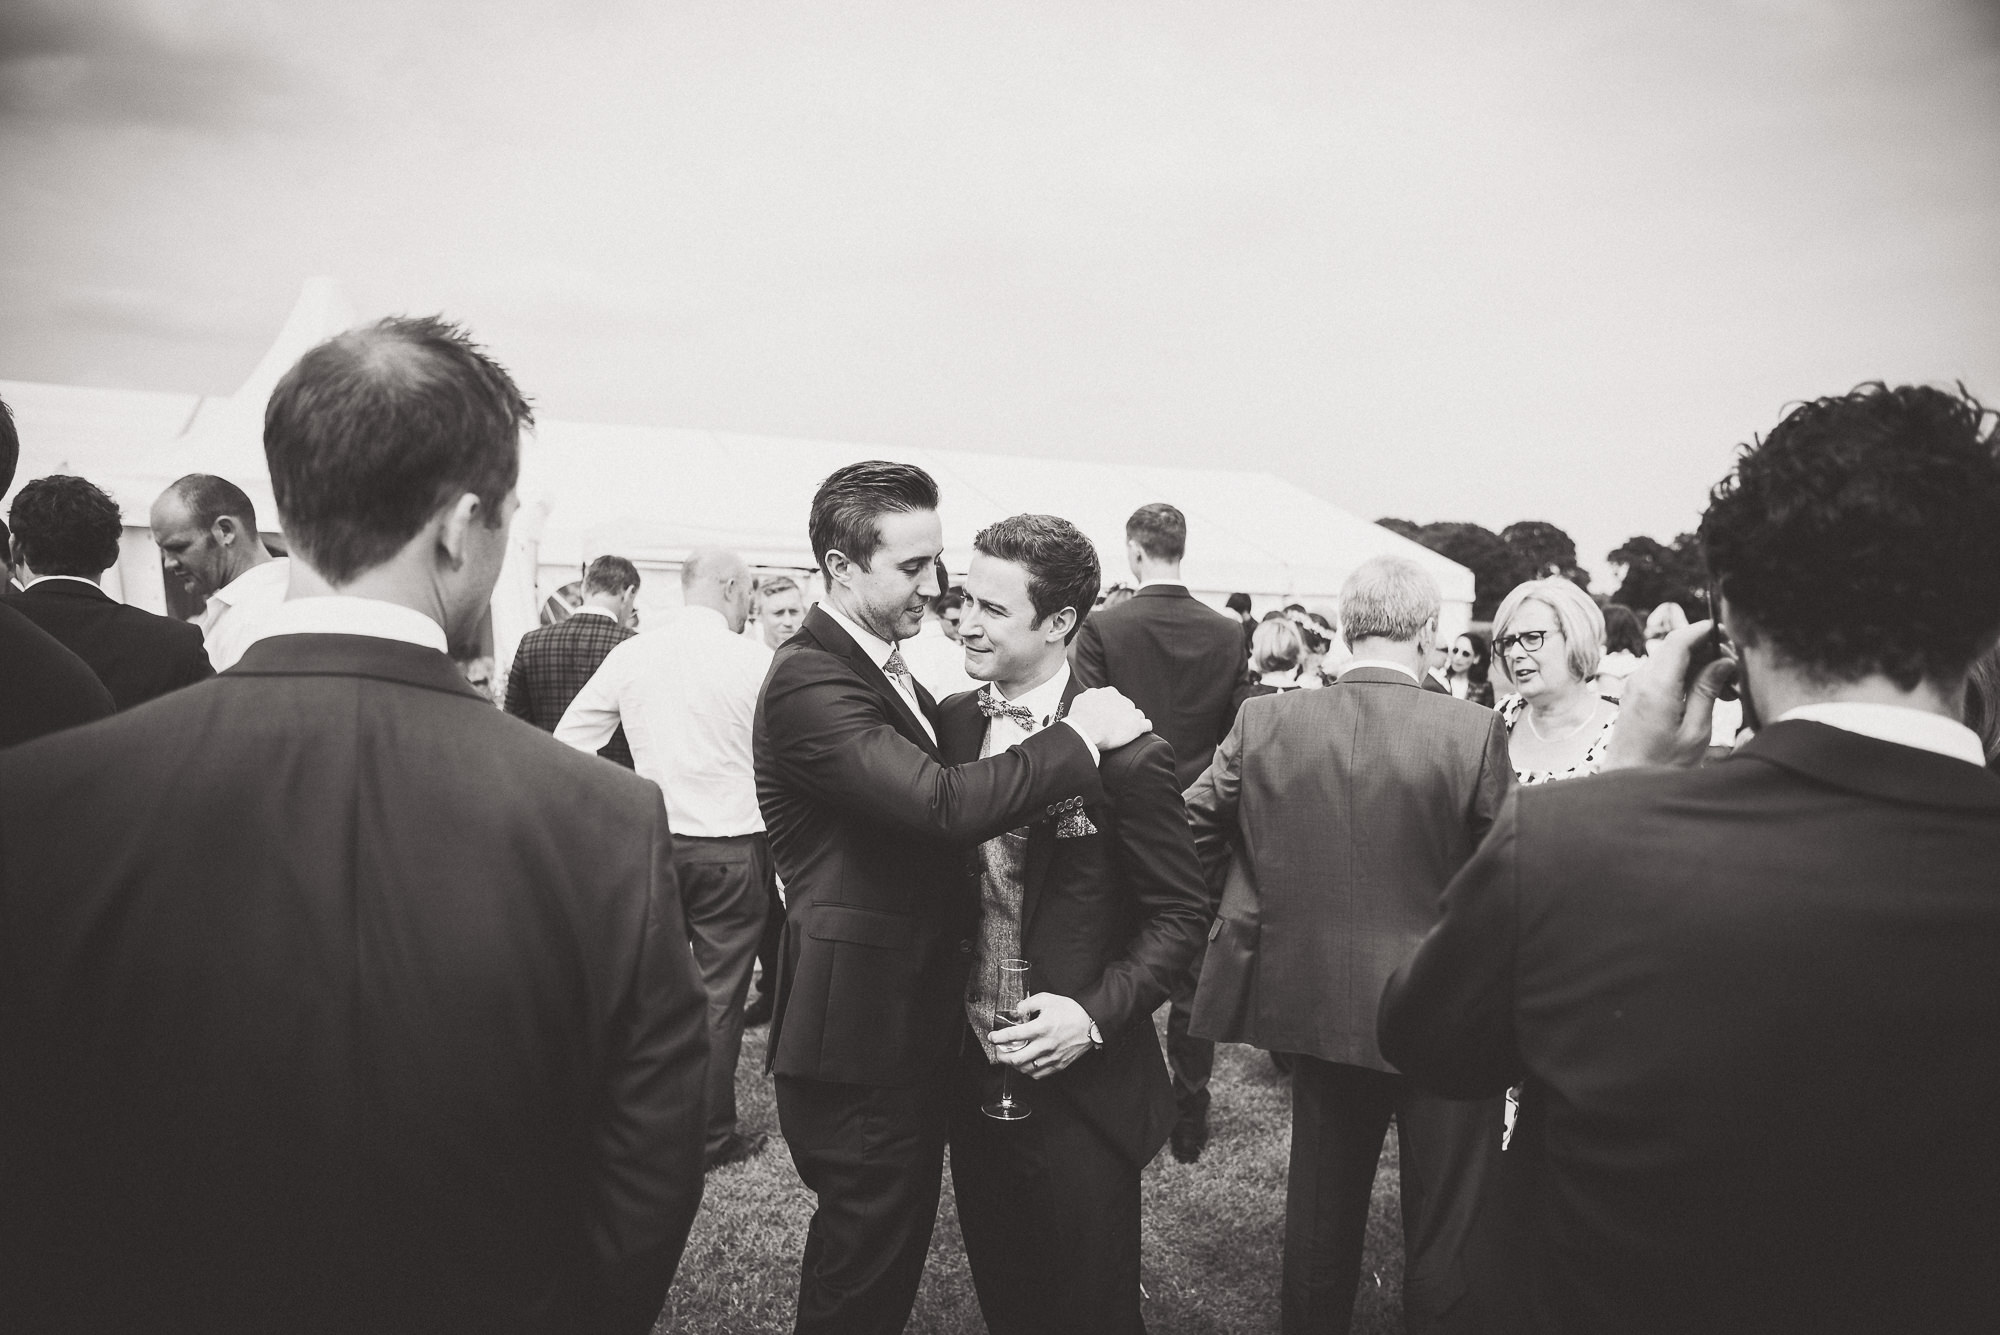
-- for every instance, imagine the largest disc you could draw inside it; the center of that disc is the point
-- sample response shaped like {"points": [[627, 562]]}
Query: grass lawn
{"points": [[1211, 1244]]}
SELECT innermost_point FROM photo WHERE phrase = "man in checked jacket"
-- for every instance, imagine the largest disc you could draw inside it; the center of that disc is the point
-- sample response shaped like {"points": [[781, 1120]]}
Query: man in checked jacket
{"points": [[553, 662]]}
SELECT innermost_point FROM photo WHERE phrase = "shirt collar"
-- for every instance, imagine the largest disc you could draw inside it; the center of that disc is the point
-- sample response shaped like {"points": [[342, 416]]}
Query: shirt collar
{"points": [[277, 570], [877, 649], [1175, 583], [588, 610], [343, 614], [1404, 668], [80, 579], [1043, 700], [1898, 724]]}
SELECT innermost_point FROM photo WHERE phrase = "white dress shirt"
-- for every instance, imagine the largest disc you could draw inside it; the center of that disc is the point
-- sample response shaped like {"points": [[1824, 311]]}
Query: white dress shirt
{"points": [[1043, 701], [686, 692], [229, 626], [80, 579], [344, 614], [1404, 668], [1898, 724]]}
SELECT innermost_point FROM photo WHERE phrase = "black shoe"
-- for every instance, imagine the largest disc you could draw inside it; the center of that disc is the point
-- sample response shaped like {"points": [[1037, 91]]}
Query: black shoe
{"points": [[736, 1149], [759, 1011], [1188, 1140]]}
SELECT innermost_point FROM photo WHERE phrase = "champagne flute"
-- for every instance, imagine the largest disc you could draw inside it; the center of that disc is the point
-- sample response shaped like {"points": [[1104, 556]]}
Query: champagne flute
{"points": [[1010, 1106]]}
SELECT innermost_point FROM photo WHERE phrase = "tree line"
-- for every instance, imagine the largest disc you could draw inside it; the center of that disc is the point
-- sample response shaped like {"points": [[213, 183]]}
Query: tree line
{"points": [[1655, 572]]}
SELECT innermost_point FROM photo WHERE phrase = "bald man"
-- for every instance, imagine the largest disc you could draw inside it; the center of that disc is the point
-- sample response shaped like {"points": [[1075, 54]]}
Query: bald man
{"points": [[686, 693]]}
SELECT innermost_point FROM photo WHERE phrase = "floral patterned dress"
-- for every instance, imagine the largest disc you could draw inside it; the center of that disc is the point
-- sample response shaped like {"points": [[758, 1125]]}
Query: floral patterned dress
{"points": [[1511, 710]]}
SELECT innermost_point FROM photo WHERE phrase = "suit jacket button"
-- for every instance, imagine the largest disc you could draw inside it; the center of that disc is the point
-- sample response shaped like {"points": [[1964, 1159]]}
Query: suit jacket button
{"points": [[965, 947]]}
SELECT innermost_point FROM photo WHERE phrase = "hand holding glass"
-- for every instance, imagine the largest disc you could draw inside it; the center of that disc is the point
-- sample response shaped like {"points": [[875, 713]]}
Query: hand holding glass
{"points": [[1009, 1106]]}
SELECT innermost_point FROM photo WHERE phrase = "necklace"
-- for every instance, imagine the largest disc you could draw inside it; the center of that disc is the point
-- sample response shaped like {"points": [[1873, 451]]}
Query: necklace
{"points": [[1588, 718]]}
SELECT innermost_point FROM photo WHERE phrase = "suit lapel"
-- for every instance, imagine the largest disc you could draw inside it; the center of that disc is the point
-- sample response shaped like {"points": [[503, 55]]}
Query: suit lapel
{"points": [[837, 641], [961, 730]]}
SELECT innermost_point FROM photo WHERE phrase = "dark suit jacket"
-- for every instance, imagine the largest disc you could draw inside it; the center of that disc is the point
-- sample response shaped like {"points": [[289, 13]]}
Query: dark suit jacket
{"points": [[44, 687], [1329, 824], [1109, 920], [332, 999], [868, 830], [1758, 1002], [136, 654], [550, 667], [1176, 658]]}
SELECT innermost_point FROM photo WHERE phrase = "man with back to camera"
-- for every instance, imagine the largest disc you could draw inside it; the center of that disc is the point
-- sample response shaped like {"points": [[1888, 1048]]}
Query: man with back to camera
{"points": [[47, 687], [1180, 661], [1754, 1002], [869, 831], [1328, 824], [1106, 901], [206, 529], [66, 535], [685, 693], [332, 998], [553, 662]]}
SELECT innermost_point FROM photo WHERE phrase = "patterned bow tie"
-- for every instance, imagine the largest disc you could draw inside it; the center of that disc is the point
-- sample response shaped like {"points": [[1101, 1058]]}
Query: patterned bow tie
{"points": [[991, 705]]}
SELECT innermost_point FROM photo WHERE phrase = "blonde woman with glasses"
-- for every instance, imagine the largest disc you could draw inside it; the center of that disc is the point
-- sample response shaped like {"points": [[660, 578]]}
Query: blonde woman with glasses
{"points": [[1547, 638]]}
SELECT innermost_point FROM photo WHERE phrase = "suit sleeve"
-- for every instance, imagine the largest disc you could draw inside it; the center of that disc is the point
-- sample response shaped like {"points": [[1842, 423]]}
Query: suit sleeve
{"points": [[646, 1174], [831, 738], [194, 659], [1211, 808], [1447, 1015], [1496, 780], [517, 687], [1156, 853], [1087, 663]]}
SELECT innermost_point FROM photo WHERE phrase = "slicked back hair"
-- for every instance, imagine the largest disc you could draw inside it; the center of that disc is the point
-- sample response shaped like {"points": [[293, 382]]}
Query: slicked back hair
{"points": [[1160, 530], [1061, 563], [610, 574], [1862, 536], [1387, 597], [66, 526], [375, 430], [208, 498], [10, 447], [848, 507]]}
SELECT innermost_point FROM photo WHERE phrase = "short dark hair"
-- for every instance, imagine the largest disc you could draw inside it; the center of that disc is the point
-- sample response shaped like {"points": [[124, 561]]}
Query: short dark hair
{"points": [[1862, 536], [208, 498], [66, 526], [1160, 530], [1238, 603], [610, 574], [848, 507], [10, 447], [375, 429], [1061, 563], [1623, 630]]}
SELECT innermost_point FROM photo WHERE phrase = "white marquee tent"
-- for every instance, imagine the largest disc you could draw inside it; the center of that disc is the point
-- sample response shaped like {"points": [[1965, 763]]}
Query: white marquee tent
{"points": [[652, 494]]}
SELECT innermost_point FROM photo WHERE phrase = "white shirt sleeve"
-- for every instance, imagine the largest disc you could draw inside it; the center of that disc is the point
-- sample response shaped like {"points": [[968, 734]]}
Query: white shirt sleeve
{"points": [[592, 718]]}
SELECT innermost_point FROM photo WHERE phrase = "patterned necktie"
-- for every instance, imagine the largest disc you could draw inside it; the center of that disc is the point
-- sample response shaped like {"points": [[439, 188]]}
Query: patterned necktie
{"points": [[991, 705], [897, 669]]}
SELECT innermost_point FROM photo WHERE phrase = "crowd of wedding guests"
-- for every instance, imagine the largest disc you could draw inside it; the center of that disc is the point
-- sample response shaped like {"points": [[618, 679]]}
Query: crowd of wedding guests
{"points": [[333, 998]]}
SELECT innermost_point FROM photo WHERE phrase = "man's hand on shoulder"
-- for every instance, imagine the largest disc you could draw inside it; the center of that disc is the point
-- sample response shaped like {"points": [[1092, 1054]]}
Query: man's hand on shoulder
{"points": [[1658, 724], [1107, 719]]}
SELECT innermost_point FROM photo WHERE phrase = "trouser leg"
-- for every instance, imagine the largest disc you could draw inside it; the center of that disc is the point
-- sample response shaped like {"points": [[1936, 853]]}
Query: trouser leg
{"points": [[1340, 1114], [1449, 1157], [722, 896], [875, 1159], [1049, 1210], [1190, 1060]]}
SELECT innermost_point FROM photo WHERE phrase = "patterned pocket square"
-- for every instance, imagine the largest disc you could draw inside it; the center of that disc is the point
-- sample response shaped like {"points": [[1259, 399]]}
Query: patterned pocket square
{"points": [[1072, 822]]}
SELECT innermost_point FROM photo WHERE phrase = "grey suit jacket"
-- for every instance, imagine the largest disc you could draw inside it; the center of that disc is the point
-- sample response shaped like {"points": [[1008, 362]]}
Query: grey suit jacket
{"points": [[1329, 824]]}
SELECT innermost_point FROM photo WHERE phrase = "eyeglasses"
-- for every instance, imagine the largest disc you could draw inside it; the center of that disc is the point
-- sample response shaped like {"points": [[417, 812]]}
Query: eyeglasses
{"points": [[1461, 653], [1530, 640]]}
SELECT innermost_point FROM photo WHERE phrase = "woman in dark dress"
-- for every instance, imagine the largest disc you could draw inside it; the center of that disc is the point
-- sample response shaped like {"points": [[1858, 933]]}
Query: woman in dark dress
{"points": [[1465, 665]]}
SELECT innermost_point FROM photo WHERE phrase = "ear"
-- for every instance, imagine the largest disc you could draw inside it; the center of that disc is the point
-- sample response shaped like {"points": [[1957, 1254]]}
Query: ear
{"points": [[225, 529], [454, 525], [839, 570], [1060, 623]]}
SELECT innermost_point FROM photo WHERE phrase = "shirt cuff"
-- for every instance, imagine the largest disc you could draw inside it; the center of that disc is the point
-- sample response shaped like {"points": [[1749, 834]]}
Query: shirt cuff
{"points": [[1085, 740]]}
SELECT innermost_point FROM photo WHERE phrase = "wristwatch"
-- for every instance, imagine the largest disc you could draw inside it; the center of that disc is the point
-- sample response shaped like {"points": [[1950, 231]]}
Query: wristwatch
{"points": [[1096, 1037]]}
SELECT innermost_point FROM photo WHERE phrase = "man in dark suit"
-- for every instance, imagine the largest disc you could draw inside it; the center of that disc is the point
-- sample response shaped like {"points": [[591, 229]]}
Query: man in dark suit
{"points": [[1180, 661], [46, 687], [332, 998], [1105, 901], [552, 663], [1329, 823], [869, 830], [1754, 1003], [65, 537]]}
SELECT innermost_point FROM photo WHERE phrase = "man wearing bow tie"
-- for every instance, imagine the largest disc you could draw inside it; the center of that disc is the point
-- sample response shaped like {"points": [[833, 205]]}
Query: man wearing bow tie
{"points": [[869, 827], [1103, 896]]}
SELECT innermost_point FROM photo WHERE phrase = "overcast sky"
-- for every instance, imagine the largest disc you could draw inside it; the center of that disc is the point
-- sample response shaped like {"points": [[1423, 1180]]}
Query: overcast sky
{"points": [[1478, 260]]}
